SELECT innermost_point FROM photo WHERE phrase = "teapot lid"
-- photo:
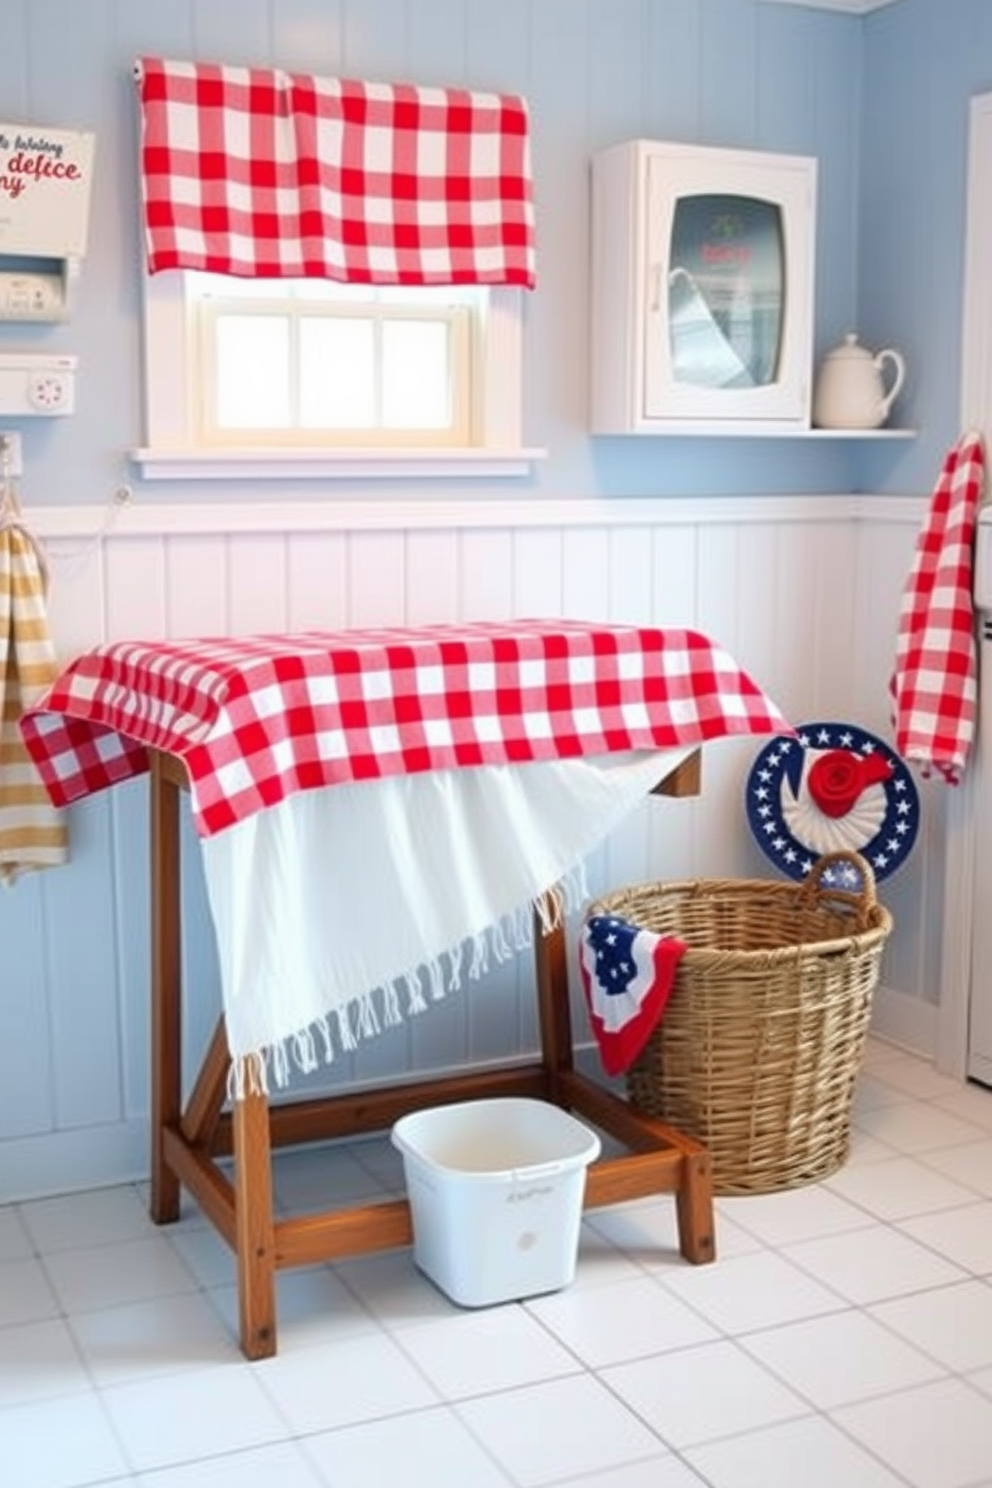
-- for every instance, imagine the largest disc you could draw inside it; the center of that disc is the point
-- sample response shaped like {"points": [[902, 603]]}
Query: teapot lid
{"points": [[850, 346]]}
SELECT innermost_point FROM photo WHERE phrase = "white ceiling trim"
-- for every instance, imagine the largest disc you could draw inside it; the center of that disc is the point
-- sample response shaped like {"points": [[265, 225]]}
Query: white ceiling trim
{"points": [[852, 7]]}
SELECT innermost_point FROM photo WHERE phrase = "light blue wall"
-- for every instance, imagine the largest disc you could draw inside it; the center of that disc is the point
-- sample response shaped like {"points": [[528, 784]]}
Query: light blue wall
{"points": [[923, 62], [734, 72], [889, 93]]}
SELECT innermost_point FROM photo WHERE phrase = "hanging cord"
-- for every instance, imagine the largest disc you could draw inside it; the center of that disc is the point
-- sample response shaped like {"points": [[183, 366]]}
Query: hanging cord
{"points": [[120, 497], [12, 519], [10, 514]]}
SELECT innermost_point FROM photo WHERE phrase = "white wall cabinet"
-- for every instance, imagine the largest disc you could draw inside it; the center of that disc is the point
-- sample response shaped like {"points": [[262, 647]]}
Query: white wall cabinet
{"points": [[702, 290]]}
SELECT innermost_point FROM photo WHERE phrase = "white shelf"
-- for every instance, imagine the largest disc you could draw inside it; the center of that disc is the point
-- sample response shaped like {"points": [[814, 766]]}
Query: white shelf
{"points": [[741, 429], [264, 463], [859, 433]]}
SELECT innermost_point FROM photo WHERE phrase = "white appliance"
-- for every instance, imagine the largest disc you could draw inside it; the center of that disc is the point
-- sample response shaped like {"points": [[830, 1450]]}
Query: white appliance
{"points": [[980, 1031], [33, 384], [45, 180]]}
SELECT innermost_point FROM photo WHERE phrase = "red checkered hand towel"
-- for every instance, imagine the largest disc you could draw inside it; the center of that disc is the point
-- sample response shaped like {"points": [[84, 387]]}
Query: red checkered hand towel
{"points": [[935, 682]]}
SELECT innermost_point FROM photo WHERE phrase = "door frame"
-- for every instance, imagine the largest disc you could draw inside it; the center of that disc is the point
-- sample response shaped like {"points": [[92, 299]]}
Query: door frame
{"points": [[952, 1051]]}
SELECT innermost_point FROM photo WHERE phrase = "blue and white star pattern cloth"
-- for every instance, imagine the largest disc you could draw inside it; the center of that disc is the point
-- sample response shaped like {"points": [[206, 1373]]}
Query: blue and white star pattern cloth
{"points": [[832, 788], [627, 975]]}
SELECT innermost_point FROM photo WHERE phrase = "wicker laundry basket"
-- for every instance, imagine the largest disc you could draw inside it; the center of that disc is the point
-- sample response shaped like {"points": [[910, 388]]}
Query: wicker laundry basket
{"points": [[758, 1049]]}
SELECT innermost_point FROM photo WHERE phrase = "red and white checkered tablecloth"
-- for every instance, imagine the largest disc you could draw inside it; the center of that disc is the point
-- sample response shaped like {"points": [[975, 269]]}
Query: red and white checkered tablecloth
{"points": [[258, 718]]}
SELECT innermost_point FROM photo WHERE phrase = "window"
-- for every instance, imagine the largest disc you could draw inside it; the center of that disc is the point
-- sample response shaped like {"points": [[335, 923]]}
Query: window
{"points": [[282, 378], [317, 363], [257, 361]]}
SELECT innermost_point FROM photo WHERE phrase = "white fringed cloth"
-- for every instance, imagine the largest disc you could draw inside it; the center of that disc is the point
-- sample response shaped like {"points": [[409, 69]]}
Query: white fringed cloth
{"points": [[375, 900], [469, 770], [32, 832]]}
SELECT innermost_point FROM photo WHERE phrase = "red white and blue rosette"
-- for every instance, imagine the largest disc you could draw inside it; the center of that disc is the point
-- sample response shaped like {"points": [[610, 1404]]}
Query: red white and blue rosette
{"points": [[833, 787]]}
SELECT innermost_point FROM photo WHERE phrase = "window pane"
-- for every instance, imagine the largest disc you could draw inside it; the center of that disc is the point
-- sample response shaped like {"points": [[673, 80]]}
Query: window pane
{"points": [[415, 375], [252, 372], [337, 374]]}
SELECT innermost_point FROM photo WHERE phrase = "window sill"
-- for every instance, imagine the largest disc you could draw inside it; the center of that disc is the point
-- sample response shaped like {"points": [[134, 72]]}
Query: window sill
{"points": [[351, 464]]}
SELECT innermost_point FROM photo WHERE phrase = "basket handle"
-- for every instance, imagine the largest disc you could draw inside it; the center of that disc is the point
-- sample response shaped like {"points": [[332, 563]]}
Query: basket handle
{"points": [[862, 903]]}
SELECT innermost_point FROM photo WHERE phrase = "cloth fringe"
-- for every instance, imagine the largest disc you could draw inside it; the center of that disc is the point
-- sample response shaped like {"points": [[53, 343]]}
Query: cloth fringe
{"points": [[270, 1069]]}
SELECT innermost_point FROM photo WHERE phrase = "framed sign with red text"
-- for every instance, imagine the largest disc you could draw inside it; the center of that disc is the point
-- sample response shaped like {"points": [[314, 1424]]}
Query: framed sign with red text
{"points": [[45, 179]]}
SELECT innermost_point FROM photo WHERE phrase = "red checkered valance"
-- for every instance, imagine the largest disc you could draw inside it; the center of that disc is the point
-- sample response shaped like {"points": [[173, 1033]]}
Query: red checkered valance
{"points": [[269, 174]]}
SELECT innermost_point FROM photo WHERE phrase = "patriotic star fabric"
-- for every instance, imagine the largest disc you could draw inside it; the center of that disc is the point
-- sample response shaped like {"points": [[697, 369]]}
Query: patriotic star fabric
{"points": [[934, 685], [268, 174], [833, 787], [627, 974], [256, 719]]}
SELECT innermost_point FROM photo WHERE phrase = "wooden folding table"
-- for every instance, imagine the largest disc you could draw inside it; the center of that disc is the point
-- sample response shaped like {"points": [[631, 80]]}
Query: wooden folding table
{"points": [[247, 722], [189, 1139]]}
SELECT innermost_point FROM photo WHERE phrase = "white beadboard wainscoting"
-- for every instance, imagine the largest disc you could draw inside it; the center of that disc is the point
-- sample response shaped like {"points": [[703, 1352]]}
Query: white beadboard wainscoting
{"points": [[803, 591]]}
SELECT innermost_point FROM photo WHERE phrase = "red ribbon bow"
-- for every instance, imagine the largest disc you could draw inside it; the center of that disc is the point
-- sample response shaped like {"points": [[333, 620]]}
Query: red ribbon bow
{"points": [[839, 776]]}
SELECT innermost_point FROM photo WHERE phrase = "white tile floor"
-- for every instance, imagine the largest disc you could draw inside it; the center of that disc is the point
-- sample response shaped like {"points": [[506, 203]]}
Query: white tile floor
{"points": [[842, 1340]]}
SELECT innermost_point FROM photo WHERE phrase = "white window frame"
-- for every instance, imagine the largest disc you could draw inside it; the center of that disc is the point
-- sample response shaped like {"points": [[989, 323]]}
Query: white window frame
{"points": [[462, 339], [171, 451]]}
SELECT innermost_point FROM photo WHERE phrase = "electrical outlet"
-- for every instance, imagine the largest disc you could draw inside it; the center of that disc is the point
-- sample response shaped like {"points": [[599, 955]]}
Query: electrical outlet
{"points": [[11, 459]]}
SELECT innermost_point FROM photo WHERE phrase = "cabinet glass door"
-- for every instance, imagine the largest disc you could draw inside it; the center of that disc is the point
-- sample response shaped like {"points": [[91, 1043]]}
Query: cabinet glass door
{"points": [[726, 291], [728, 287]]}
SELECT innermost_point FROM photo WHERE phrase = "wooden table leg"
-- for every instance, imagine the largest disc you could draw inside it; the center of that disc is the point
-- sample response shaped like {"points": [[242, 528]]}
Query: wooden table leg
{"points": [[553, 1008], [166, 1029], [256, 1250], [686, 1161], [206, 1102], [551, 953], [694, 1209]]}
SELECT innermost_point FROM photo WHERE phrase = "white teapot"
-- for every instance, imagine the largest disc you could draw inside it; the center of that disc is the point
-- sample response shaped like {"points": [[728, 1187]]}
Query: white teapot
{"points": [[850, 391]]}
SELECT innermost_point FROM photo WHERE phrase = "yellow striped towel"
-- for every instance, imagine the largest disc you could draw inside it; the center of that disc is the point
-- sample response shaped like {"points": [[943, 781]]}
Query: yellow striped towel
{"points": [[32, 832]]}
